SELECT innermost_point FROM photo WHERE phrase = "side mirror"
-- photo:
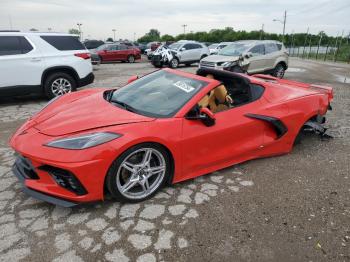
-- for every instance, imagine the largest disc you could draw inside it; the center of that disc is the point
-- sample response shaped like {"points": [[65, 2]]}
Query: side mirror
{"points": [[248, 55], [132, 79], [205, 115], [182, 49]]}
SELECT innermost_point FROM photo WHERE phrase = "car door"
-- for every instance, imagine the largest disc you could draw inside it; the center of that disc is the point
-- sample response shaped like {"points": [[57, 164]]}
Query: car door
{"points": [[271, 55], [20, 63], [234, 138], [197, 52], [123, 52], [187, 53], [111, 53], [257, 61]]}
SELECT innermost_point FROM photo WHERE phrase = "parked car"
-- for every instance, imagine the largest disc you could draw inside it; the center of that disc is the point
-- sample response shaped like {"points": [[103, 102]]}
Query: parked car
{"points": [[95, 58], [251, 56], [93, 44], [118, 52], [49, 63], [166, 127], [215, 48], [151, 47], [187, 52], [142, 47]]}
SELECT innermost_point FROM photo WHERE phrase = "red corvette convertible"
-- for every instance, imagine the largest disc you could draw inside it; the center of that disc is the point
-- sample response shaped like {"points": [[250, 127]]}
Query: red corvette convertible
{"points": [[165, 127]]}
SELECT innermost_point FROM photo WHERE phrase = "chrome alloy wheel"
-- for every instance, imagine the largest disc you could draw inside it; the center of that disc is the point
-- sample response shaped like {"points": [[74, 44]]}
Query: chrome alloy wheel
{"points": [[61, 86], [280, 72], [141, 173]]}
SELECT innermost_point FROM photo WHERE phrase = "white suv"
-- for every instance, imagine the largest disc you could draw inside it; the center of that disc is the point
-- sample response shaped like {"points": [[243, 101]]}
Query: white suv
{"points": [[49, 63], [187, 52]]}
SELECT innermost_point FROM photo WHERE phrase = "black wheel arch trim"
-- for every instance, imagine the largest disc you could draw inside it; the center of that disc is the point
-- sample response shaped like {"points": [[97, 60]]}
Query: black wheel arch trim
{"points": [[279, 127], [47, 71]]}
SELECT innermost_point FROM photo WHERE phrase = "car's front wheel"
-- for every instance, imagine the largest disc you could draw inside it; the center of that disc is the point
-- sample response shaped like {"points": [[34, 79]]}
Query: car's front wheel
{"points": [[58, 84], [279, 71], [138, 173], [174, 63]]}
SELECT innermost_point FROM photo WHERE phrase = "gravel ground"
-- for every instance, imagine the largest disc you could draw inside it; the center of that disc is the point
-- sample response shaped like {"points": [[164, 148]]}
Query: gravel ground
{"points": [[294, 207]]}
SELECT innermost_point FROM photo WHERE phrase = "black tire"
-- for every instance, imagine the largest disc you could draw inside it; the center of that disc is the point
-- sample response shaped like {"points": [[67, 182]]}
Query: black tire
{"points": [[101, 59], [111, 178], [279, 71], [131, 59], [49, 82], [236, 69], [174, 63], [203, 56], [158, 65]]}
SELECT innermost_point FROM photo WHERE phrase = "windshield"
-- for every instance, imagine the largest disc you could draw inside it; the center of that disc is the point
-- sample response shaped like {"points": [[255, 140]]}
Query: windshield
{"points": [[102, 47], [175, 46], [213, 46], [234, 49], [160, 94]]}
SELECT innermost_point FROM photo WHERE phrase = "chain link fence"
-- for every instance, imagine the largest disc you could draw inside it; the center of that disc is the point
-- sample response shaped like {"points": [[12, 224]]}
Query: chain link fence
{"points": [[338, 50]]}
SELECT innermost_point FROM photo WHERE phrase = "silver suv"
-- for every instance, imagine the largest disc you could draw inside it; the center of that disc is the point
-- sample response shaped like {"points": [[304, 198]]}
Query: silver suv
{"points": [[250, 56], [187, 52]]}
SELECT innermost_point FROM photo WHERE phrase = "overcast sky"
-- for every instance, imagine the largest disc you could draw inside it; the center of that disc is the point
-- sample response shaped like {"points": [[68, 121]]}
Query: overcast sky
{"points": [[132, 16]]}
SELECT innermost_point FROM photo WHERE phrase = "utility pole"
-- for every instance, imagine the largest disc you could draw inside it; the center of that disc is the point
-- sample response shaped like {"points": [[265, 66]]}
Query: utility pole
{"points": [[292, 44], [337, 47], [319, 43], [336, 43], [134, 36], [283, 22], [184, 26], [307, 33], [79, 26], [262, 32], [114, 34]]}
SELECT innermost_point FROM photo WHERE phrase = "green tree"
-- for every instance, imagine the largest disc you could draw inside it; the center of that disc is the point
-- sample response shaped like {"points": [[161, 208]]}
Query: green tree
{"points": [[33, 30], [109, 39], [152, 35], [74, 31], [167, 37]]}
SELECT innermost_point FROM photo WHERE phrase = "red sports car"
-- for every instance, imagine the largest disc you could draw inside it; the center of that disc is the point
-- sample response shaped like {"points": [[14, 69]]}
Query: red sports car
{"points": [[165, 127]]}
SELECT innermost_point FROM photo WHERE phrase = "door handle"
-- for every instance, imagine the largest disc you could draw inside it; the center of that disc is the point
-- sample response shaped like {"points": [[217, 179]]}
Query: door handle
{"points": [[35, 59]]}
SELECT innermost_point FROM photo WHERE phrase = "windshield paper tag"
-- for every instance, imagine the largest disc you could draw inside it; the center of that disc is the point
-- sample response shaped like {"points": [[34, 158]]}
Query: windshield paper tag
{"points": [[183, 86]]}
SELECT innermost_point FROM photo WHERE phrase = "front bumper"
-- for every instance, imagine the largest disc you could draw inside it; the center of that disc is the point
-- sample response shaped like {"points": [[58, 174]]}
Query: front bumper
{"points": [[37, 166], [38, 195], [86, 80], [39, 182]]}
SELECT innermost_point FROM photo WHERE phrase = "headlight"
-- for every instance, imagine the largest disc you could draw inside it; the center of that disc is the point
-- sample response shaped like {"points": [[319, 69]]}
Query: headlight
{"points": [[227, 64], [84, 141]]}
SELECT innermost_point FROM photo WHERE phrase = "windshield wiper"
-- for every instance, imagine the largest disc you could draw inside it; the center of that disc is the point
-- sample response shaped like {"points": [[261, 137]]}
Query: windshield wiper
{"points": [[124, 105]]}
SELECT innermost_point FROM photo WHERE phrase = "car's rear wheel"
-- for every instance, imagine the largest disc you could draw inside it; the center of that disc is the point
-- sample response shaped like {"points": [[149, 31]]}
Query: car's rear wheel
{"points": [[138, 173], [174, 63], [131, 59], [203, 56], [279, 71], [58, 84]]}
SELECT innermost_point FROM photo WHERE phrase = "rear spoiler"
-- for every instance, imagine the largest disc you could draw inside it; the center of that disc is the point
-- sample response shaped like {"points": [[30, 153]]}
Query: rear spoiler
{"points": [[324, 89]]}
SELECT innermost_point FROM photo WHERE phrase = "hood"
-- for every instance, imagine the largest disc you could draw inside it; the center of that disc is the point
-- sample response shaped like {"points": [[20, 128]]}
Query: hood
{"points": [[82, 111], [220, 58]]}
